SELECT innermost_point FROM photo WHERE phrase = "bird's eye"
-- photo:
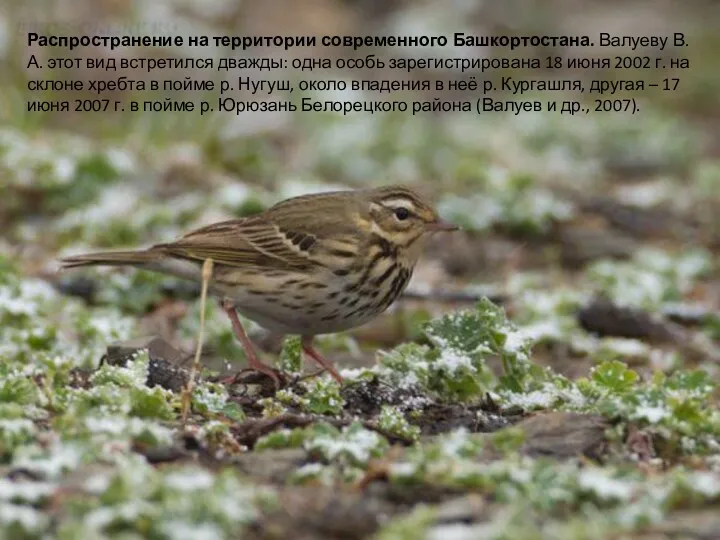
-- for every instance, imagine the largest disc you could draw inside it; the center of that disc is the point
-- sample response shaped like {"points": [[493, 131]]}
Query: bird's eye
{"points": [[402, 213]]}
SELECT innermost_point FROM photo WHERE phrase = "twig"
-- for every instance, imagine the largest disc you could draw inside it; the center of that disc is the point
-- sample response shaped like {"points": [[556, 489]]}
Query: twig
{"points": [[207, 269]]}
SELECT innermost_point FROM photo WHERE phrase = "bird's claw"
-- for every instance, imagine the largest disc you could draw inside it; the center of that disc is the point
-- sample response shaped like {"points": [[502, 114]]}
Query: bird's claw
{"points": [[250, 375]]}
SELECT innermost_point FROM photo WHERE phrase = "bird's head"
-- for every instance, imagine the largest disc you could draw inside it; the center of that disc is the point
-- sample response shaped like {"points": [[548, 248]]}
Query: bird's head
{"points": [[404, 218]]}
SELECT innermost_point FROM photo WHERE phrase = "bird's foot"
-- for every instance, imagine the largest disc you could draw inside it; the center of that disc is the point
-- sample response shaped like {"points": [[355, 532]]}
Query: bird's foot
{"points": [[255, 374]]}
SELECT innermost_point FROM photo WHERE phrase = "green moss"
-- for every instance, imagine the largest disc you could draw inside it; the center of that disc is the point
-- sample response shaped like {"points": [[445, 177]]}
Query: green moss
{"points": [[679, 409], [211, 398], [352, 446], [92, 173], [651, 278], [250, 207], [323, 396], [15, 432], [508, 440], [409, 526], [274, 407], [151, 403], [65, 172], [16, 387], [133, 373], [392, 421], [614, 377], [139, 500], [464, 340], [282, 438], [234, 412], [512, 201], [290, 359]]}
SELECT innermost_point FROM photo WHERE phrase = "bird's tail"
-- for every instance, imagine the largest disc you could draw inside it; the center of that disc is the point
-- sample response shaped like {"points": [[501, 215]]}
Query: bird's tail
{"points": [[112, 258]]}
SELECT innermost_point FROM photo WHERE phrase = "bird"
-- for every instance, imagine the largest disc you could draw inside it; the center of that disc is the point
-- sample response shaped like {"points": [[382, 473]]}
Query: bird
{"points": [[310, 265]]}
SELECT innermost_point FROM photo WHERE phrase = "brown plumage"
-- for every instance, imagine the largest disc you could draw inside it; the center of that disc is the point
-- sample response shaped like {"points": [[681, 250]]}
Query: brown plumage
{"points": [[309, 265]]}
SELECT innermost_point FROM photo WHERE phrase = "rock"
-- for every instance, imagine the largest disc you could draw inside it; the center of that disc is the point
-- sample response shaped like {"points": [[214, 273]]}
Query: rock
{"points": [[464, 509], [564, 435], [167, 364], [271, 465], [581, 245], [119, 352], [699, 524], [76, 285], [324, 513], [605, 318]]}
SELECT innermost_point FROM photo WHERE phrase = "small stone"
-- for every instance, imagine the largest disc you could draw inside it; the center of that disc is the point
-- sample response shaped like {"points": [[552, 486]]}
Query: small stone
{"points": [[167, 364], [564, 435], [119, 352]]}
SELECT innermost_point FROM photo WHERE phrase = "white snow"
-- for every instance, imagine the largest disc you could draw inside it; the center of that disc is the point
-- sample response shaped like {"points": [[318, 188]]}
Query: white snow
{"points": [[652, 414], [402, 469], [185, 530], [25, 491], [97, 483], [626, 346], [61, 458], [233, 194], [359, 445], [189, 480], [705, 483], [28, 517], [605, 486], [17, 426], [453, 360]]}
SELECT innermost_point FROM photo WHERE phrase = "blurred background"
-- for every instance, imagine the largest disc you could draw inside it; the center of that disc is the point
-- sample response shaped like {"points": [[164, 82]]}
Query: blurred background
{"points": [[557, 209]]}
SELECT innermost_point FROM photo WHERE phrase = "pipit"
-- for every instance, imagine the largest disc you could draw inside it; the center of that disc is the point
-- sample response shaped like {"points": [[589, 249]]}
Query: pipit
{"points": [[310, 265]]}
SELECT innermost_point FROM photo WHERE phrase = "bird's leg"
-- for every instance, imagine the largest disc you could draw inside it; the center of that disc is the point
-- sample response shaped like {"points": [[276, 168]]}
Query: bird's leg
{"points": [[307, 346], [247, 345]]}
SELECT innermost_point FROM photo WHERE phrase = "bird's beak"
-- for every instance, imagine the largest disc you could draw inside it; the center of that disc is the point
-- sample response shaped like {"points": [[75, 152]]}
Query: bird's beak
{"points": [[440, 225]]}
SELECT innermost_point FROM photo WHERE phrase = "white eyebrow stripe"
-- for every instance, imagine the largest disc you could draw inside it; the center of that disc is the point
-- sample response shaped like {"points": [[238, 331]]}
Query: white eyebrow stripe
{"points": [[399, 203]]}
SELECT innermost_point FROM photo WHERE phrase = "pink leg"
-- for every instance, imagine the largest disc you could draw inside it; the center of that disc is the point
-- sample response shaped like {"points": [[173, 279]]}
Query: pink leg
{"points": [[307, 346], [247, 345]]}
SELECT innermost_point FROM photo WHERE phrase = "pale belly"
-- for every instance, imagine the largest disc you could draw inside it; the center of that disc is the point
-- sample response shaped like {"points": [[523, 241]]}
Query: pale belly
{"points": [[286, 303], [314, 310], [291, 321]]}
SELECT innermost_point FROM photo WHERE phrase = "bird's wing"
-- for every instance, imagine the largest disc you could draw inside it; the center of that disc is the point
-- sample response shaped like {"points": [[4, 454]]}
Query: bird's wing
{"points": [[263, 241], [251, 241]]}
